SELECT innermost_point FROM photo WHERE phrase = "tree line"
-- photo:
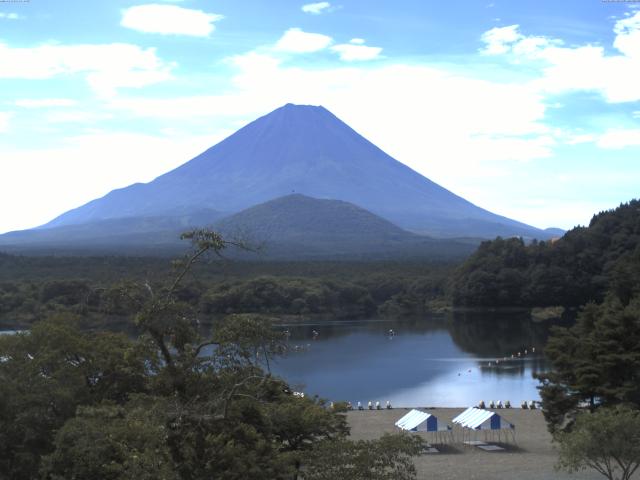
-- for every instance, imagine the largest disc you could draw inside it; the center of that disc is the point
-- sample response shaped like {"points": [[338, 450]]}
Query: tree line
{"points": [[379, 291], [580, 267]]}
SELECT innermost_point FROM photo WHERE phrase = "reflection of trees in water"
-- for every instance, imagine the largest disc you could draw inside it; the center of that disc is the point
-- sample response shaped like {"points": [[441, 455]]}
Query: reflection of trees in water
{"points": [[515, 367], [336, 329], [497, 334]]}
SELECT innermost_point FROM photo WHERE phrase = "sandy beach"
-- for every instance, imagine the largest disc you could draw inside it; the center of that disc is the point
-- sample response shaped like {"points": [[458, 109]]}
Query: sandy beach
{"points": [[532, 458]]}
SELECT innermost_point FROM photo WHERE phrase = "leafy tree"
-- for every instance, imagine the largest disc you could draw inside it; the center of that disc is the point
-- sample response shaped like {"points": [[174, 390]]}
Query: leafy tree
{"points": [[46, 373], [388, 458], [596, 361], [607, 441], [111, 442]]}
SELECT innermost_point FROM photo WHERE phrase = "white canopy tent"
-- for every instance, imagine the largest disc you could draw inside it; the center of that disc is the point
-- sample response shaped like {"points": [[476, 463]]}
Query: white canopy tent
{"points": [[492, 424], [418, 421]]}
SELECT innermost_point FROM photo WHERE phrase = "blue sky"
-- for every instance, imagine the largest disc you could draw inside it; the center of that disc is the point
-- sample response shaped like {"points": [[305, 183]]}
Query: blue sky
{"points": [[530, 109]]}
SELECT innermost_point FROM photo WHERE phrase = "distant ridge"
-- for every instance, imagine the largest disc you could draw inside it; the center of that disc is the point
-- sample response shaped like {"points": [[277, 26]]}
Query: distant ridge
{"points": [[303, 227]]}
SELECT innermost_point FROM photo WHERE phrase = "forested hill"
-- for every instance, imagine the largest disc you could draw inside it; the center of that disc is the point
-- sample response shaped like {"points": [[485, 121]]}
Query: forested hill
{"points": [[577, 268]]}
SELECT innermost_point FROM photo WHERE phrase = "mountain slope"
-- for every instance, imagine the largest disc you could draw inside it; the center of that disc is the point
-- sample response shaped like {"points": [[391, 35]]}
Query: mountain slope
{"points": [[304, 227], [139, 235], [302, 149]]}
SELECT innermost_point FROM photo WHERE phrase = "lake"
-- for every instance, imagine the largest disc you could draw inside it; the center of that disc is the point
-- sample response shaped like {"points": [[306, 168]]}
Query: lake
{"points": [[439, 360], [447, 360]]}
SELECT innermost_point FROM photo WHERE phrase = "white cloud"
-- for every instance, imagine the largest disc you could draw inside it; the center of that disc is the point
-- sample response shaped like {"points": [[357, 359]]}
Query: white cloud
{"points": [[10, 16], [499, 39], [357, 41], [575, 139], [316, 8], [350, 52], [85, 167], [45, 102], [76, 116], [628, 36], [169, 20], [617, 139], [585, 67], [106, 67], [4, 121], [463, 119], [295, 40]]}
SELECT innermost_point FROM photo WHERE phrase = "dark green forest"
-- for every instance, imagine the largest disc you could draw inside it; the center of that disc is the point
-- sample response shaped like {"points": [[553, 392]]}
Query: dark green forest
{"points": [[578, 268], [92, 287]]}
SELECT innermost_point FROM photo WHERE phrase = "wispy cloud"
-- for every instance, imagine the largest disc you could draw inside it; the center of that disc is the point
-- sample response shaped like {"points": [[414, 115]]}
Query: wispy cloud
{"points": [[356, 50], [573, 68], [316, 8], [295, 40], [45, 102], [105, 67], [617, 139], [4, 121], [169, 20], [10, 16]]}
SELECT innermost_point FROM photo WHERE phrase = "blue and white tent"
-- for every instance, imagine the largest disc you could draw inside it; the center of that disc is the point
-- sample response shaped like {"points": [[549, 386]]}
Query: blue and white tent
{"points": [[418, 421], [476, 419]]}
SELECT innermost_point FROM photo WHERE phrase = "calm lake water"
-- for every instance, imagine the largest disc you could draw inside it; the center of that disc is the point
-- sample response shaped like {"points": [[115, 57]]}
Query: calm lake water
{"points": [[438, 361], [446, 360]]}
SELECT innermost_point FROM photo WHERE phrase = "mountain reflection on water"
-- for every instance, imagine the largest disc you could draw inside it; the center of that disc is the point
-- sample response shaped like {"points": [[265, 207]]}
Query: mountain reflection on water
{"points": [[447, 360]]}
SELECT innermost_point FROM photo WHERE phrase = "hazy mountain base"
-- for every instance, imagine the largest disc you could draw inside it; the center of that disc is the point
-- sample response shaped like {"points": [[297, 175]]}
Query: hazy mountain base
{"points": [[291, 227]]}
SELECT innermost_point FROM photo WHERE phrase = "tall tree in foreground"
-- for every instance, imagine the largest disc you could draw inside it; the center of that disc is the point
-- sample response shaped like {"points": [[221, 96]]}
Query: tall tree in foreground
{"points": [[607, 441], [596, 362]]}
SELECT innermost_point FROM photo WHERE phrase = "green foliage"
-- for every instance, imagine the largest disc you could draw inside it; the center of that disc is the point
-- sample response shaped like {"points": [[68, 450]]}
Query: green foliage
{"points": [[171, 404], [106, 297], [46, 374], [388, 458], [111, 442], [571, 271], [289, 296], [596, 361], [607, 441]]}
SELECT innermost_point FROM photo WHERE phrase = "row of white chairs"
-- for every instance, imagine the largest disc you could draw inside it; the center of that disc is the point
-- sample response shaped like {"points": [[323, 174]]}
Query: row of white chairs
{"points": [[507, 404], [370, 406]]}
